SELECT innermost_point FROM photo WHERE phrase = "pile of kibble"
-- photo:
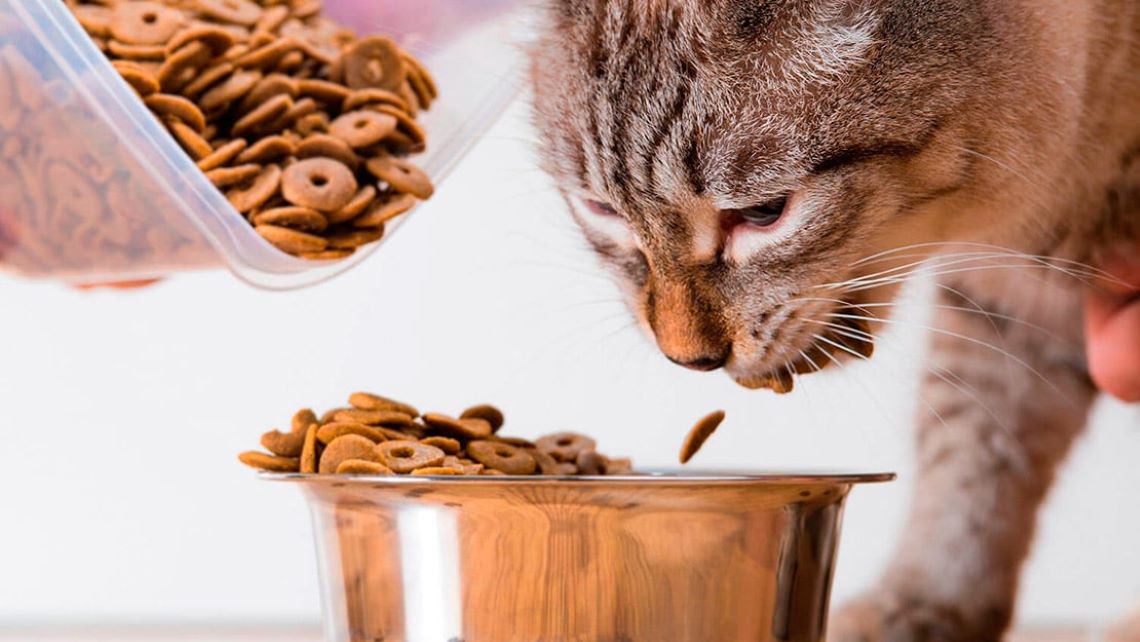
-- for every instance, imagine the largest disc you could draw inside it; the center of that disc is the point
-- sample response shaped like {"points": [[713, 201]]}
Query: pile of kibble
{"points": [[375, 435], [303, 125]]}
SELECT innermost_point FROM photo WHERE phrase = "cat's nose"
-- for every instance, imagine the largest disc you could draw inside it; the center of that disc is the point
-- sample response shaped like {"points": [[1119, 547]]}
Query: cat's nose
{"points": [[704, 364]]}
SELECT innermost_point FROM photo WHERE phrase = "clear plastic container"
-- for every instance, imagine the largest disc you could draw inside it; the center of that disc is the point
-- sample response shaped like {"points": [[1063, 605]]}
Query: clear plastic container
{"points": [[93, 188]]}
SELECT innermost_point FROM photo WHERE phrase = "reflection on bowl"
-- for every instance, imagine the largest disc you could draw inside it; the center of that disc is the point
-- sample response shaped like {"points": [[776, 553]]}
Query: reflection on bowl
{"points": [[656, 558]]}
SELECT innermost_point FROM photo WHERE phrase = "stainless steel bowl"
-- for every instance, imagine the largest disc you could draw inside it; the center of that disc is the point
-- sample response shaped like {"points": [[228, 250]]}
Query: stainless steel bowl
{"points": [[657, 558]]}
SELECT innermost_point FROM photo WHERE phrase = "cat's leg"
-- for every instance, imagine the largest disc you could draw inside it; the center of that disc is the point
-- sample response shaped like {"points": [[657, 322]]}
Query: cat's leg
{"points": [[1127, 630], [985, 463]]}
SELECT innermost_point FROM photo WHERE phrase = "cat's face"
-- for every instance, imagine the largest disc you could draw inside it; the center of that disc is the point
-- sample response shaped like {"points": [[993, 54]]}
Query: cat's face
{"points": [[728, 159]]}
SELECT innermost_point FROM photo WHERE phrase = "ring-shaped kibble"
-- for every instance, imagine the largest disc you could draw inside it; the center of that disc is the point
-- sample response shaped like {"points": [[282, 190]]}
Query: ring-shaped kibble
{"points": [[362, 467], [362, 128], [322, 184], [258, 193], [344, 448], [390, 418], [222, 155], [270, 463], [446, 444], [402, 176], [461, 429], [268, 149], [370, 401], [363, 199], [219, 40], [373, 61], [335, 429], [385, 209], [309, 450], [364, 97], [589, 462], [229, 90], [318, 145], [239, 12], [293, 217], [547, 465], [405, 456], [177, 107], [504, 457], [291, 241], [183, 67], [485, 411], [143, 83], [565, 446], [266, 112], [349, 239], [145, 22], [206, 79], [149, 53]]}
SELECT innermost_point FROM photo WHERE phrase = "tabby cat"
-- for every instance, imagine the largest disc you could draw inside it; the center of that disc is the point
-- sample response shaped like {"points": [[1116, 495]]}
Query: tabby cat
{"points": [[761, 175]]}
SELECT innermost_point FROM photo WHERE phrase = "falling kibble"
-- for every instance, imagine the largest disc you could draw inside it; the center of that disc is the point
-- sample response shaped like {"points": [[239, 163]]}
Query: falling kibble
{"points": [[699, 434]]}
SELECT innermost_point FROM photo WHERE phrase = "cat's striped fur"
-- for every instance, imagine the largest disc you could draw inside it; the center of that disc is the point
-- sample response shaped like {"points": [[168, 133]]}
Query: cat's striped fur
{"points": [[885, 123]]}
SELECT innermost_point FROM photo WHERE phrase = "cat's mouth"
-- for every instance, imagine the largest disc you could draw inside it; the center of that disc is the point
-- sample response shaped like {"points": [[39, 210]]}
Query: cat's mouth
{"points": [[806, 346]]}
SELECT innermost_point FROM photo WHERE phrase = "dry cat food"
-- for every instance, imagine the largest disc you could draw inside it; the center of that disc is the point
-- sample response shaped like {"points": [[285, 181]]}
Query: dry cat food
{"points": [[375, 435], [699, 434], [304, 126]]}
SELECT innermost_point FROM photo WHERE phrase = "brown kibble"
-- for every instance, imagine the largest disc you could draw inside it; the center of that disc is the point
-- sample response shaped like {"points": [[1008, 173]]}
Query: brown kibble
{"points": [[325, 146], [291, 241], [142, 82], [268, 149], [177, 107], [699, 434], [241, 12], [270, 463], [335, 429], [487, 412], [446, 444], [349, 239], [406, 456], [226, 176], [373, 61], [500, 456], [344, 448], [363, 199], [219, 40], [369, 401], [438, 471], [326, 255], [462, 429], [190, 140], [264, 113], [401, 175], [222, 155], [289, 444], [362, 467], [319, 183], [264, 187], [547, 465], [386, 209], [589, 462], [362, 128], [297, 218], [309, 450], [389, 418], [565, 446]]}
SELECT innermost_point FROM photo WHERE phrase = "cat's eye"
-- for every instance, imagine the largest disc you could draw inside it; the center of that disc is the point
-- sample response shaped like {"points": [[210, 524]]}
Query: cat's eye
{"points": [[600, 208], [765, 214]]}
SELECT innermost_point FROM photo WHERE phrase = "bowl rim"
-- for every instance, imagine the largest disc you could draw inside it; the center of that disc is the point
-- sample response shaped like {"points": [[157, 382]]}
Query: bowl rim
{"points": [[652, 476]]}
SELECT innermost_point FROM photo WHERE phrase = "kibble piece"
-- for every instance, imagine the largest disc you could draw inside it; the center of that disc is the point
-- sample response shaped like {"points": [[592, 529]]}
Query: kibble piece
{"points": [[362, 128], [359, 203], [241, 12], [385, 210], [350, 239], [271, 463], [325, 146], [222, 155], [390, 418], [500, 456], [286, 444], [177, 107], [333, 431], [374, 61], [326, 255], [226, 176], [547, 465], [699, 434], [589, 462], [437, 471], [446, 444], [565, 446], [487, 412], [217, 39], [319, 183], [309, 450], [369, 401], [258, 192], [406, 456], [268, 149], [402, 176], [461, 429], [297, 218], [291, 241], [362, 467], [342, 449]]}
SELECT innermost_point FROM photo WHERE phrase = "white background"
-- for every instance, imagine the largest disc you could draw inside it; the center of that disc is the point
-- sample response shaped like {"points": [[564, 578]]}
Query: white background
{"points": [[122, 414]]}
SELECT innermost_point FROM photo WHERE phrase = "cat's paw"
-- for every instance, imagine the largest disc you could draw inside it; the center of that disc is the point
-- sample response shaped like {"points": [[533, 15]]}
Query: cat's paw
{"points": [[888, 617], [1127, 630]]}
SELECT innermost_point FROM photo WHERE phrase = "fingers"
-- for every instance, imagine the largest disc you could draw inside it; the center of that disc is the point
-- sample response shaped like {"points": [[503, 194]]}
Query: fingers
{"points": [[1112, 329]]}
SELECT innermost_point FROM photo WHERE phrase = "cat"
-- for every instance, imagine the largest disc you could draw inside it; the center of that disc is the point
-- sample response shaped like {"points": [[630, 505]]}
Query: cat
{"points": [[761, 175]]}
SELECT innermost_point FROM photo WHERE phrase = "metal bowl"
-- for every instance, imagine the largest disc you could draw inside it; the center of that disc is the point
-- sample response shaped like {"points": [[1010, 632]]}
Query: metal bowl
{"points": [[657, 558]]}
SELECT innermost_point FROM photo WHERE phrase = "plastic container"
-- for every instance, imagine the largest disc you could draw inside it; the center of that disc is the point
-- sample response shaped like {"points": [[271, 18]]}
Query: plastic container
{"points": [[676, 558], [93, 188]]}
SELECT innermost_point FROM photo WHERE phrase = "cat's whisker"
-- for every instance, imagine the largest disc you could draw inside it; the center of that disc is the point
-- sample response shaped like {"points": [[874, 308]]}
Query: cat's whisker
{"points": [[948, 333], [937, 266]]}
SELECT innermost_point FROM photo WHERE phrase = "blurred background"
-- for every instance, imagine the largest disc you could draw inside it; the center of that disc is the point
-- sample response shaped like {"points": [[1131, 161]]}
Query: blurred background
{"points": [[124, 412]]}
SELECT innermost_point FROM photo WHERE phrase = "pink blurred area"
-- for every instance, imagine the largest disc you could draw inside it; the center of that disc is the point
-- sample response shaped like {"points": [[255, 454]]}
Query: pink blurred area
{"points": [[415, 22]]}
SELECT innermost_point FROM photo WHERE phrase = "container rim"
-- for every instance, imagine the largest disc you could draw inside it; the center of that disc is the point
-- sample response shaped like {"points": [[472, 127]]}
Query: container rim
{"points": [[653, 476]]}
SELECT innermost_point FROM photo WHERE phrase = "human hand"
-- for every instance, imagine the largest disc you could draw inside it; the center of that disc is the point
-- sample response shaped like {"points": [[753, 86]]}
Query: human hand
{"points": [[1112, 327]]}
